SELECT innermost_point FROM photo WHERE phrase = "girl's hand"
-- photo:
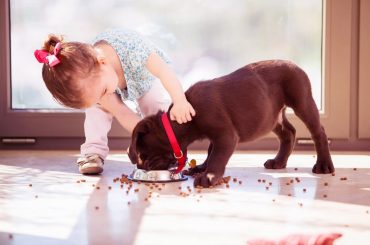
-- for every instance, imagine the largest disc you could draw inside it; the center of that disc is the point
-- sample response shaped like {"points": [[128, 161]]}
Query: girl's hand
{"points": [[182, 111]]}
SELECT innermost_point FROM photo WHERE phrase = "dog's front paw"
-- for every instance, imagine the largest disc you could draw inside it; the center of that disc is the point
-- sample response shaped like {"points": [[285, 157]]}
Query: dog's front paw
{"points": [[323, 167], [206, 180], [196, 170], [274, 164]]}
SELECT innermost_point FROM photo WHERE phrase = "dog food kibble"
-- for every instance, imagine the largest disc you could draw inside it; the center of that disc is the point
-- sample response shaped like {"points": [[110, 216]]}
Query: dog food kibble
{"points": [[128, 203], [226, 179], [77, 181], [343, 178], [259, 180], [333, 174], [295, 169], [10, 236], [300, 204], [30, 185], [136, 190], [109, 187], [98, 187], [227, 186], [325, 196], [36, 196], [273, 200], [235, 179], [326, 184], [270, 183], [192, 163], [83, 180], [354, 169], [289, 194], [304, 190], [267, 188], [263, 181], [96, 208], [93, 185]]}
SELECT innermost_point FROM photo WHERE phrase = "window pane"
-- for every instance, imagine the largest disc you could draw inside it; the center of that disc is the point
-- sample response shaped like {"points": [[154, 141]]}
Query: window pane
{"points": [[204, 38]]}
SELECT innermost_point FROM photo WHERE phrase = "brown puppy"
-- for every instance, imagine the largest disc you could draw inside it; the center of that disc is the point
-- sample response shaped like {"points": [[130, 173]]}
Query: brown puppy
{"points": [[239, 107]]}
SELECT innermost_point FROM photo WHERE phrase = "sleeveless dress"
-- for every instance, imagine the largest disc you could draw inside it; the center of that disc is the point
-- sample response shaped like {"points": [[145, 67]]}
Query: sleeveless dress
{"points": [[133, 51]]}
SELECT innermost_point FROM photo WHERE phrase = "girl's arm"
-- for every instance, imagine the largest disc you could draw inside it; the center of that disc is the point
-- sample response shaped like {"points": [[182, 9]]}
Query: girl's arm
{"points": [[125, 116], [182, 110]]}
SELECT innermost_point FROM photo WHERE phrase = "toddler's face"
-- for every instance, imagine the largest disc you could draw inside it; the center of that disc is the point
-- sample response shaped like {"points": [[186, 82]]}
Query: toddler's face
{"points": [[104, 83]]}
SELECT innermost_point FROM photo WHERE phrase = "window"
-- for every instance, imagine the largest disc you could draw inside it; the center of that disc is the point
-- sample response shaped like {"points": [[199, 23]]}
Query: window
{"points": [[204, 38]]}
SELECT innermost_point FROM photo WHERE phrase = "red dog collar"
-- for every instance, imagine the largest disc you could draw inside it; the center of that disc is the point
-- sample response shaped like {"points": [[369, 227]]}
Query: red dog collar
{"points": [[177, 152]]}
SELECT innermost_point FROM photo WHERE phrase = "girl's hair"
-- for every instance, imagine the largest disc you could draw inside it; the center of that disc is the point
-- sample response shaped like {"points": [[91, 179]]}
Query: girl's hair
{"points": [[77, 60]]}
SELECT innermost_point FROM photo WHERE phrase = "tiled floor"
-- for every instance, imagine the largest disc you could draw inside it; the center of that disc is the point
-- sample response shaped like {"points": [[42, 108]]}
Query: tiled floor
{"points": [[58, 210]]}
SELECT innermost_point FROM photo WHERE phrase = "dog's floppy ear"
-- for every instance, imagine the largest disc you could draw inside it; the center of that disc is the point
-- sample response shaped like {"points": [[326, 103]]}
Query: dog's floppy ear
{"points": [[142, 128]]}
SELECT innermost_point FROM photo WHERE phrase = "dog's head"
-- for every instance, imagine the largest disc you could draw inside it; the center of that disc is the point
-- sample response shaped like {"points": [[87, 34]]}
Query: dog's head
{"points": [[150, 148]]}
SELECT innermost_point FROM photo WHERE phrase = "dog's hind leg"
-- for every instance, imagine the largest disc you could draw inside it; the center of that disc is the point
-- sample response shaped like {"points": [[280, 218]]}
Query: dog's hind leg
{"points": [[286, 134], [309, 114]]}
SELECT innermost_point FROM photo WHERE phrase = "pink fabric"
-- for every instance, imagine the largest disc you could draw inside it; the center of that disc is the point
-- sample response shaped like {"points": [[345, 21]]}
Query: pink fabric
{"points": [[47, 58], [300, 239], [98, 122]]}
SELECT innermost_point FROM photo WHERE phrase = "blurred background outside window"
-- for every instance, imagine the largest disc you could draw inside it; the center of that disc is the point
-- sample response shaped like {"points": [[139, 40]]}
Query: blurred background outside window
{"points": [[204, 38]]}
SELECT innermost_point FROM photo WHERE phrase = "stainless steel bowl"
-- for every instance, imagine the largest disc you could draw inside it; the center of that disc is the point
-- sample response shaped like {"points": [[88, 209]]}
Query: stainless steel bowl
{"points": [[156, 176]]}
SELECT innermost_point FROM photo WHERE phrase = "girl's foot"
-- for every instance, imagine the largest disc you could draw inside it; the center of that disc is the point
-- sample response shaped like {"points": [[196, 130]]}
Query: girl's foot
{"points": [[90, 164]]}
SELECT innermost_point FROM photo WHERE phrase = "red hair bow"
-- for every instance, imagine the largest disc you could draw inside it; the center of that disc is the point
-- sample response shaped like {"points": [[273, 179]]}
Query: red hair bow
{"points": [[50, 59]]}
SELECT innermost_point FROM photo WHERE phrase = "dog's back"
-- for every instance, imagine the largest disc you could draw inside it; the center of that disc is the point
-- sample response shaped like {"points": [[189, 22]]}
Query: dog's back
{"points": [[249, 99]]}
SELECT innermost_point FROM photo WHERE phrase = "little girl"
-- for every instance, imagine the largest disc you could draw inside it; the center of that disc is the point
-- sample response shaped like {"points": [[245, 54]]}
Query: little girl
{"points": [[121, 65]]}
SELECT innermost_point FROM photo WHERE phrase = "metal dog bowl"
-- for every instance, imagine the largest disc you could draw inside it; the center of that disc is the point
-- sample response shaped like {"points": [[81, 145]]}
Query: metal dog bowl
{"points": [[160, 176]]}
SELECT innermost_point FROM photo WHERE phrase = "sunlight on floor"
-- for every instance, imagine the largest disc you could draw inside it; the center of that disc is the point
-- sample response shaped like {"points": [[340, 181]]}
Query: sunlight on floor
{"points": [[39, 203], [60, 208]]}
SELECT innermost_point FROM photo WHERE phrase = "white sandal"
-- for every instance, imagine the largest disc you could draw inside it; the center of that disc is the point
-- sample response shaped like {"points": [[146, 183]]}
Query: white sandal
{"points": [[90, 164]]}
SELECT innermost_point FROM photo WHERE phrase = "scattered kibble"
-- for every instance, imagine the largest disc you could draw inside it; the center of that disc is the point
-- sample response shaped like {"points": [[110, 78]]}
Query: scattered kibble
{"points": [[36, 196], [192, 163], [10, 236], [98, 188], [267, 188], [300, 204], [128, 203], [333, 174], [325, 196], [295, 169], [273, 200], [270, 183], [240, 182], [78, 181], [30, 185], [96, 207], [83, 180], [343, 178], [326, 184], [235, 179], [109, 187], [304, 190]]}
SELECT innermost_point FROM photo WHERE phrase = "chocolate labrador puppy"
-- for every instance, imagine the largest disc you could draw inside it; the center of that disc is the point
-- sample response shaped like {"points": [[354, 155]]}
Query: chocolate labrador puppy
{"points": [[242, 106]]}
